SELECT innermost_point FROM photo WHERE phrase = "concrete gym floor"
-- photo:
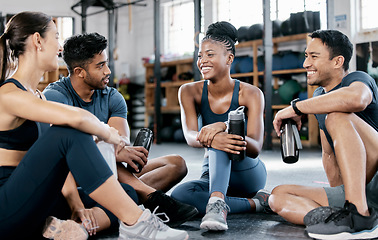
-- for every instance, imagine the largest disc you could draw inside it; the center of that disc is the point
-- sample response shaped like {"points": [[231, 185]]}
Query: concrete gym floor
{"points": [[307, 171]]}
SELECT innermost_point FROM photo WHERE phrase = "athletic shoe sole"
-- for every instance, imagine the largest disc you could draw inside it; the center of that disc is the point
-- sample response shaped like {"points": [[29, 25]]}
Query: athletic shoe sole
{"points": [[365, 234], [213, 225], [123, 237]]}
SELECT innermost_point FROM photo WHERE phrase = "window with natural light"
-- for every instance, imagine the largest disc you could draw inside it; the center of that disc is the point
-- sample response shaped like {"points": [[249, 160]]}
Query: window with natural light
{"points": [[368, 17], [178, 22], [178, 28], [65, 28]]}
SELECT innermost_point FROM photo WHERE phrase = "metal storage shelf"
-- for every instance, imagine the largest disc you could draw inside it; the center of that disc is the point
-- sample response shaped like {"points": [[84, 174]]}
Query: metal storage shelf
{"points": [[313, 129], [170, 89]]}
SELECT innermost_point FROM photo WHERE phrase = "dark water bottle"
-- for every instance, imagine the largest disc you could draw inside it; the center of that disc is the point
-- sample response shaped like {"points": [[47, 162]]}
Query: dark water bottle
{"points": [[144, 139], [236, 126], [290, 141]]}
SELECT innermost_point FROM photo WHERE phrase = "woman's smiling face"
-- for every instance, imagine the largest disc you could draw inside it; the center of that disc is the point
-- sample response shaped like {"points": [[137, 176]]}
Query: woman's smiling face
{"points": [[213, 59]]}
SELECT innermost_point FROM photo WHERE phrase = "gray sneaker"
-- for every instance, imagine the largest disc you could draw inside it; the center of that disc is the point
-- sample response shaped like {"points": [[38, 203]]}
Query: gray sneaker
{"points": [[346, 223], [319, 215], [150, 227], [263, 197], [215, 217]]}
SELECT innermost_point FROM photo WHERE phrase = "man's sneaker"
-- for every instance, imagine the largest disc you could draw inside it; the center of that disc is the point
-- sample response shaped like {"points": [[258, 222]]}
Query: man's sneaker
{"points": [[60, 230], [319, 215], [149, 226], [346, 223], [177, 212], [263, 196], [215, 217]]}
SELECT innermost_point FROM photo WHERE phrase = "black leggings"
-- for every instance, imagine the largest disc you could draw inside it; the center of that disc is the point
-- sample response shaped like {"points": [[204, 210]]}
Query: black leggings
{"points": [[33, 190]]}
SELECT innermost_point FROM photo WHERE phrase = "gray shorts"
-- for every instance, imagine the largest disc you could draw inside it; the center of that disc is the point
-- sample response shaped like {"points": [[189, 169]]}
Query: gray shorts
{"points": [[335, 195]]}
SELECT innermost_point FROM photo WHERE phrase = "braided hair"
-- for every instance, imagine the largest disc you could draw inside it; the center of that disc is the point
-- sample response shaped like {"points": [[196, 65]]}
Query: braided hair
{"points": [[223, 32]]}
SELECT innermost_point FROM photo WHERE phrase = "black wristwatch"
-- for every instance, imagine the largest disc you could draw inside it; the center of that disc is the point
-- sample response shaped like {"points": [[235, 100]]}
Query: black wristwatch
{"points": [[294, 106]]}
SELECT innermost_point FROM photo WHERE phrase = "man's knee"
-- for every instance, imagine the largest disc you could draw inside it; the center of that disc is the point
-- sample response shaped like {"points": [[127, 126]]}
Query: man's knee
{"points": [[274, 197], [334, 120], [277, 195], [282, 189], [178, 163]]}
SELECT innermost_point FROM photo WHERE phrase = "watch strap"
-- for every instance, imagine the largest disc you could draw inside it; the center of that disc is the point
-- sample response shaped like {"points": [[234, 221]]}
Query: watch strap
{"points": [[294, 106]]}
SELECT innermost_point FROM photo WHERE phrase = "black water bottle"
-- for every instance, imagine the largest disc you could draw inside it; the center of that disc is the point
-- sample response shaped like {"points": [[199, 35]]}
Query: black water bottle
{"points": [[290, 141], [236, 126], [144, 139]]}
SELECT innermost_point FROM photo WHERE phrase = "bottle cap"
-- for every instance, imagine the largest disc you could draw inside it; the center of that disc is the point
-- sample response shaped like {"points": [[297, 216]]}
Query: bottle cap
{"points": [[237, 114]]}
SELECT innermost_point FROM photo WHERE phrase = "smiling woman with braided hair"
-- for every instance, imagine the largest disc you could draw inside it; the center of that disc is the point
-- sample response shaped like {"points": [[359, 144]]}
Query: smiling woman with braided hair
{"points": [[229, 184]]}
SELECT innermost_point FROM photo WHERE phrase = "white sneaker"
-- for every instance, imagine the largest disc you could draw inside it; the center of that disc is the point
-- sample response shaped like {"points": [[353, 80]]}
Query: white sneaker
{"points": [[150, 227]]}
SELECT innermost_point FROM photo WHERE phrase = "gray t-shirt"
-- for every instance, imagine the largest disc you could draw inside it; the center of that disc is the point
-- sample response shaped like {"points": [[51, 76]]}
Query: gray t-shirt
{"points": [[369, 115], [105, 103]]}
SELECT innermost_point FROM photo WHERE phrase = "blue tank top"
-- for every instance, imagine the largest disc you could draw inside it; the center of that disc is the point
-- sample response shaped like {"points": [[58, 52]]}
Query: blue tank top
{"points": [[22, 137], [207, 115]]}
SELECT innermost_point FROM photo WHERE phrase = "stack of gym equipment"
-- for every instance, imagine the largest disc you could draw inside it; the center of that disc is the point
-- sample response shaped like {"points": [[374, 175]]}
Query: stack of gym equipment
{"points": [[301, 22]]}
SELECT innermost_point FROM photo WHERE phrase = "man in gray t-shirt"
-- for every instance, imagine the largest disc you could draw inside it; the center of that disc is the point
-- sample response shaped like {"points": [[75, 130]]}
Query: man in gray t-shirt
{"points": [[86, 87], [346, 107], [368, 115]]}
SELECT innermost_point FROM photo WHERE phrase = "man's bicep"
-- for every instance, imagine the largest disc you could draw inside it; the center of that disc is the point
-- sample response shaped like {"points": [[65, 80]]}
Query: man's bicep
{"points": [[363, 90]]}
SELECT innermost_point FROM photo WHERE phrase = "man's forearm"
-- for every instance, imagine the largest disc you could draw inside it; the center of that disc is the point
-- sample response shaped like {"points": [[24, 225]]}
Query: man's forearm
{"points": [[350, 99]]}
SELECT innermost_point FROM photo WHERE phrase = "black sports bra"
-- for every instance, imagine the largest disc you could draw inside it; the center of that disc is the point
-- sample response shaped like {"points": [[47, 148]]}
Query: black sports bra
{"points": [[22, 137]]}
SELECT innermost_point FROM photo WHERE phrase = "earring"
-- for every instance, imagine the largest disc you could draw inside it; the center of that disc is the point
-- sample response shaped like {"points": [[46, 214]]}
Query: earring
{"points": [[40, 49]]}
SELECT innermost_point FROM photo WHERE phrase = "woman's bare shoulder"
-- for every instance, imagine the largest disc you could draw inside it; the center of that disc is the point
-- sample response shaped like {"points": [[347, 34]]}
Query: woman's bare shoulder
{"points": [[192, 87], [247, 88], [8, 90]]}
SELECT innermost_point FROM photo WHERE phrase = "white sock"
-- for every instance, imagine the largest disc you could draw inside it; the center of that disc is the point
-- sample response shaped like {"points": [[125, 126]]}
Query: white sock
{"points": [[259, 208], [214, 199]]}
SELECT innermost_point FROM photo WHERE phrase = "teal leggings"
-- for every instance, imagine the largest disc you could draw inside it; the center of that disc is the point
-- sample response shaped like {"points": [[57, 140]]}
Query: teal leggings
{"points": [[236, 180]]}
